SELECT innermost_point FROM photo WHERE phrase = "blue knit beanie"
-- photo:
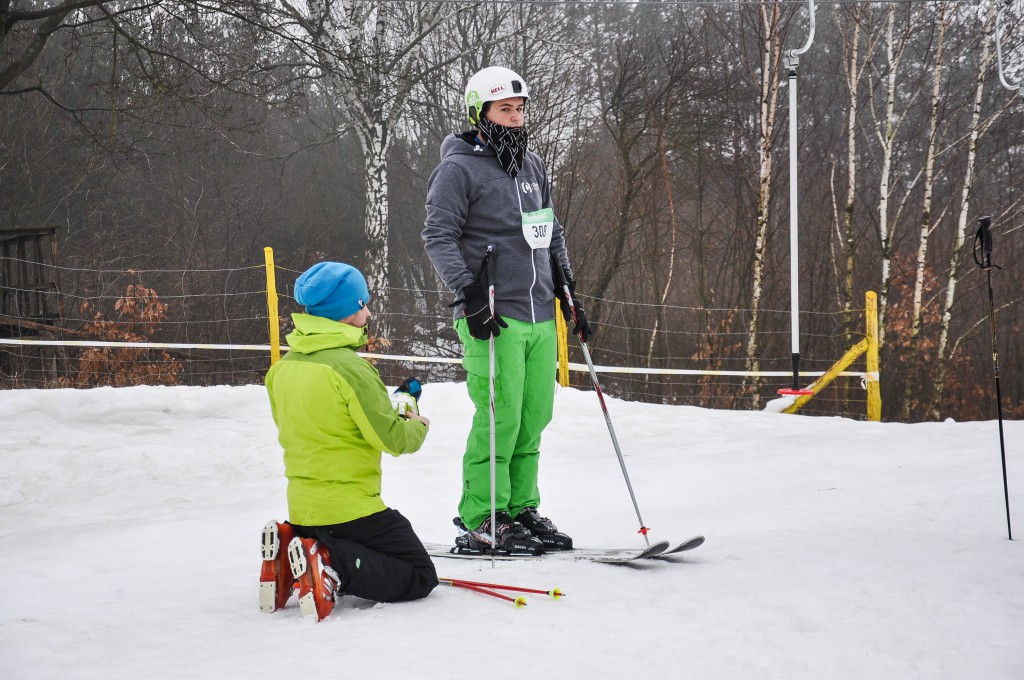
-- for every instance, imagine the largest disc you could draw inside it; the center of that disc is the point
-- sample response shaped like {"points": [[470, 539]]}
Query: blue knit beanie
{"points": [[332, 290]]}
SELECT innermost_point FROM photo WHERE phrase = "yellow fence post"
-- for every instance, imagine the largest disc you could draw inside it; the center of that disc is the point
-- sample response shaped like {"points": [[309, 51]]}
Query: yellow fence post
{"points": [[561, 332], [871, 379], [831, 374], [272, 315], [868, 347]]}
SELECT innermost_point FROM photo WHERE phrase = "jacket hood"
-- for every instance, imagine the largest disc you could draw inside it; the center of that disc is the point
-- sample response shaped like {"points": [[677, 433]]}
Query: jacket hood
{"points": [[315, 333], [464, 144]]}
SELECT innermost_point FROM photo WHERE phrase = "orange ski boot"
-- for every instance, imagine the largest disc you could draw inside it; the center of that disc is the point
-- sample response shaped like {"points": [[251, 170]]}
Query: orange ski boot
{"points": [[276, 579], [319, 584]]}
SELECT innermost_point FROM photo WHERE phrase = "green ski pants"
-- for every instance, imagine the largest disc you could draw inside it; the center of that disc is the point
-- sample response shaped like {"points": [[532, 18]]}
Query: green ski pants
{"points": [[524, 395]]}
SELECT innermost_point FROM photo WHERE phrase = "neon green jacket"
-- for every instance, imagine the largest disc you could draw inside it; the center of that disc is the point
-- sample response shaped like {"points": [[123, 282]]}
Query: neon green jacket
{"points": [[334, 418]]}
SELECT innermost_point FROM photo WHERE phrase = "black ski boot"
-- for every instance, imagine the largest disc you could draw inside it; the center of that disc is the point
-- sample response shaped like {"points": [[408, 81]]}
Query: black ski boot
{"points": [[544, 529], [512, 537]]}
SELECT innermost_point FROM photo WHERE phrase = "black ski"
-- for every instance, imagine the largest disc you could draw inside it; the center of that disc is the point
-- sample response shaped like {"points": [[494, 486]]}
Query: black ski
{"points": [[685, 546], [604, 555]]}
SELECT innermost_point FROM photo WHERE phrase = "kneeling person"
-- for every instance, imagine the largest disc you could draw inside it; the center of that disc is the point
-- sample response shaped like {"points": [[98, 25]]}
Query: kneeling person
{"points": [[334, 418]]}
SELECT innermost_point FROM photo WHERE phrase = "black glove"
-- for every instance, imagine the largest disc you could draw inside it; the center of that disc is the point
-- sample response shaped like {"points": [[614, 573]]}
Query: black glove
{"points": [[582, 328], [478, 314]]}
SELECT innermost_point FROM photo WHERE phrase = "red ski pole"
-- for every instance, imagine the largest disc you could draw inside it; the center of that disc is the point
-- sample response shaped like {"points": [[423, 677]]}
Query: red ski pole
{"points": [[554, 593], [517, 601]]}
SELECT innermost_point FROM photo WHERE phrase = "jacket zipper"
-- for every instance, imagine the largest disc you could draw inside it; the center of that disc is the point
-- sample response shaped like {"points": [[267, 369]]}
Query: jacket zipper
{"points": [[533, 260]]}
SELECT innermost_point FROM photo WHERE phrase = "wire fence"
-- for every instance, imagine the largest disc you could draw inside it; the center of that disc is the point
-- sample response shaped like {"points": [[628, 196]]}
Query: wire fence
{"points": [[211, 327]]}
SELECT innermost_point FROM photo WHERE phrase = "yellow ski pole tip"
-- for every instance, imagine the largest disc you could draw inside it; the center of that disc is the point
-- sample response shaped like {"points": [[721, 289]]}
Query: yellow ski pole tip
{"points": [[520, 602], [556, 593]]}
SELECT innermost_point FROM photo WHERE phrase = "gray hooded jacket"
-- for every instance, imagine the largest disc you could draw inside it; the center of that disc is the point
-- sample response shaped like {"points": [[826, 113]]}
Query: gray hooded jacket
{"points": [[473, 203]]}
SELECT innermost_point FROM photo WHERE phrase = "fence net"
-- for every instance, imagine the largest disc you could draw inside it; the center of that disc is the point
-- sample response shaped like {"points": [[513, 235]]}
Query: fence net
{"points": [[649, 352]]}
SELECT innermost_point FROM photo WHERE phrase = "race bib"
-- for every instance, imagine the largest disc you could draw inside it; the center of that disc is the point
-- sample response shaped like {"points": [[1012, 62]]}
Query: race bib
{"points": [[537, 227]]}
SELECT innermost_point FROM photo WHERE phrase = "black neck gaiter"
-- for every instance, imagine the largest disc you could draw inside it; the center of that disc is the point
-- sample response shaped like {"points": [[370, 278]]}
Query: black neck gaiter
{"points": [[508, 143]]}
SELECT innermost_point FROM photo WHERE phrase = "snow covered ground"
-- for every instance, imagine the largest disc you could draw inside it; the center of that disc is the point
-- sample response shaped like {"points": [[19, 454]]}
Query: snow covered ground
{"points": [[835, 549]]}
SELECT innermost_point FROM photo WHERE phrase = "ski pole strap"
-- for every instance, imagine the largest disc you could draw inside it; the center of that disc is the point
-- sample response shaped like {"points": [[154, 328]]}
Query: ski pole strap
{"points": [[556, 267], [490, 264], [483, 277]]}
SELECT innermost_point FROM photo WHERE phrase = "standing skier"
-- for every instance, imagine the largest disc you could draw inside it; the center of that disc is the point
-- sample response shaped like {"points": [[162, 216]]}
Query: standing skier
{"points": [[334, 417], [490, 192]]}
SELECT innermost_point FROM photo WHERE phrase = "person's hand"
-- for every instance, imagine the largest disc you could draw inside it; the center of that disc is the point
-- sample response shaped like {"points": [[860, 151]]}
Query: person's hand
{"points": [[404, 403], [410, 415], [478, 314], [581, 327]]}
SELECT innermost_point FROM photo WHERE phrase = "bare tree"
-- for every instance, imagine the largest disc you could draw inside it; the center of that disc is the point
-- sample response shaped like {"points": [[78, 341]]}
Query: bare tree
{"points": [[25, 32], [976, 129], [856, 66], [628, 120], [370, 55]]}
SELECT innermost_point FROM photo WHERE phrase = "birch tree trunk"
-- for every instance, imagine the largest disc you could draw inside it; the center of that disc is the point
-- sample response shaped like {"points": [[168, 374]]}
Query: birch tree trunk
{"points": [[885, 130], [854, 73], [672, 245], [926, 211], [771, 50], [375, 226], [371, 55]]}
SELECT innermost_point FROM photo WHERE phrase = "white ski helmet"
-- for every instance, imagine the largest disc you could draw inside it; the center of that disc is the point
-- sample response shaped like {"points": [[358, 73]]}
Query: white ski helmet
{"points": [[490, 85]]}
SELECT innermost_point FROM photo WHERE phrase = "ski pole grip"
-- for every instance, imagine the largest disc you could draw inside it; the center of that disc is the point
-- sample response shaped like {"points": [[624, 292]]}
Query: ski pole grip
{"points": [[984, 238], [985, 226], [563, 283]]}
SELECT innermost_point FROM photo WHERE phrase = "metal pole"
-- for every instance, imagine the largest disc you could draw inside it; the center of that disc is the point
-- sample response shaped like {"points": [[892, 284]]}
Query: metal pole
{"points": [[794, 250], [560, 274], [791, 60], [615, 440], [490, 258]]}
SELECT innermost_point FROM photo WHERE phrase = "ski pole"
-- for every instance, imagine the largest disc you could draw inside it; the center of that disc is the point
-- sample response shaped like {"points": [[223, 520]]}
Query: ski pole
{"points": [[564, 284], [554, 593], [519, 602], [489, 263], [984, 236]]}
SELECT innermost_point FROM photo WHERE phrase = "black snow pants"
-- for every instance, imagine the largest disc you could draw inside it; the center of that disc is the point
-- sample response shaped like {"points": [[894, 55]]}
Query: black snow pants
{"points": [[378, 557]]}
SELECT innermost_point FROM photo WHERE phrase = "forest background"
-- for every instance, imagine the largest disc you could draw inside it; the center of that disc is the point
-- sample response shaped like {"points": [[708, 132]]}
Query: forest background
{"points": [[165, 138]]}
